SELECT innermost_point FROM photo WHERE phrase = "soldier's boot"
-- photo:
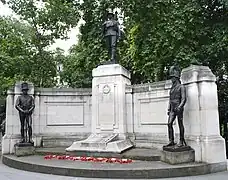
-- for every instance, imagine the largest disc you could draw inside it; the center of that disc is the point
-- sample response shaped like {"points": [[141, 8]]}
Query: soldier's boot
{"points": [[22, 140], [30, 140], [171, 143], [22, 136], [26, 135], [182, 140], [171, 135], [30, 134], [182, 143], [113, 55]]}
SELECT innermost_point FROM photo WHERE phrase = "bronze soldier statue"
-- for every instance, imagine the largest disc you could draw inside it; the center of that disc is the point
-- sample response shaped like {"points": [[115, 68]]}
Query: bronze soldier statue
{"points": [[177, 101], [112, 33], [25, 105]]}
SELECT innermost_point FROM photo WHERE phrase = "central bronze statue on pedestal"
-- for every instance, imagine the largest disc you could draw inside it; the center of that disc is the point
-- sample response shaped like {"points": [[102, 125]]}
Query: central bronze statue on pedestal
{"points": [[177, 101], [112, 34]]}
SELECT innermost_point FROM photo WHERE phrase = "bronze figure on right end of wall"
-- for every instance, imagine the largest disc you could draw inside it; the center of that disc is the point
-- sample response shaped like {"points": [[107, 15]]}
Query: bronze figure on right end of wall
{"points": [[177, 101]]}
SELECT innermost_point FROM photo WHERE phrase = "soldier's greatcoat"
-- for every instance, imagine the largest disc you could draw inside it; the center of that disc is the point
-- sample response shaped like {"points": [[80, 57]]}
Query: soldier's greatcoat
{"points": [[111, 33]]}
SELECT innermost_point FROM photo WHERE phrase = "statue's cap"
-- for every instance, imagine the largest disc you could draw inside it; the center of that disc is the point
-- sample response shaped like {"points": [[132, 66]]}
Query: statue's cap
{"points": [[174, 71], [24, 86], [110, 11]]}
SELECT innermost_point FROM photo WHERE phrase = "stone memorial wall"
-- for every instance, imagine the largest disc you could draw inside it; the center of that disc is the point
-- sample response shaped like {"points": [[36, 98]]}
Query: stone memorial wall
{"points": [[60, 117], [63, 116]]}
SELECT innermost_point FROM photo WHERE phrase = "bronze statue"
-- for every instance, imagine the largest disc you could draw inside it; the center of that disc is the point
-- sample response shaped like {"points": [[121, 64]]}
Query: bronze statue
{"points": [[177, 101], [112, 33], [25, 105]]}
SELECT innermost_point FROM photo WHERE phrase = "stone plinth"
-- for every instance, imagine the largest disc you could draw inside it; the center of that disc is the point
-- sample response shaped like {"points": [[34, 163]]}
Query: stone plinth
{"points": [[109, 100], [24, 149], [201, 116], [109, 117], [101, 143], [178, 155]]}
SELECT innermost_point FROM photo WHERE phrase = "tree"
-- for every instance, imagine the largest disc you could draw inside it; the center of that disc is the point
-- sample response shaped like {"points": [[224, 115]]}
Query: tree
{"points": [[49, 20], [90, 50], [158, 34], [16, 51]]}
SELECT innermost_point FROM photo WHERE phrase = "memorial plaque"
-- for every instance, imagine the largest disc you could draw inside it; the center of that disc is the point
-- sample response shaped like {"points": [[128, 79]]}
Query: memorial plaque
{"points": [[106, 106]]}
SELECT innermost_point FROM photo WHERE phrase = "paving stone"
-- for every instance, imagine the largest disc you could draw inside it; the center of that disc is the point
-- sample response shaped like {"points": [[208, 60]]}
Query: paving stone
{"points": [[7, 173], [135, 170]]}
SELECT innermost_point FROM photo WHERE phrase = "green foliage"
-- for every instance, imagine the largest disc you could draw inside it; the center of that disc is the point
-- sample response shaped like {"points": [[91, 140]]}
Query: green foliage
{"points": [[49, 20], [15, 52], [161, 33], [90, 50], [24, 42], [158, 34], [76, 67], [19, 57]]}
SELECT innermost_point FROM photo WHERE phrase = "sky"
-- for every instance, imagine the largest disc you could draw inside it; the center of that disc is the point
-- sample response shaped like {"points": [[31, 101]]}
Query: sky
{"points": [[63, 44]]}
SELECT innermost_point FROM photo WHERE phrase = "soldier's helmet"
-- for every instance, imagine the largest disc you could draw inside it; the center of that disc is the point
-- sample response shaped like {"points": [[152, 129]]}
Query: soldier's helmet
{"points": [[24, 86], [174, 71]]}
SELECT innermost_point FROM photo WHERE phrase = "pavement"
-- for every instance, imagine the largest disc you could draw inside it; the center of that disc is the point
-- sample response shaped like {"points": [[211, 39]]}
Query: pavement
{"points": [[7, 173]]}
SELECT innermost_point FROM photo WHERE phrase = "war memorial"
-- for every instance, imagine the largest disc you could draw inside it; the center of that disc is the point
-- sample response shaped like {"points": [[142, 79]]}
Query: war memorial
{"points": [[116, 129]]}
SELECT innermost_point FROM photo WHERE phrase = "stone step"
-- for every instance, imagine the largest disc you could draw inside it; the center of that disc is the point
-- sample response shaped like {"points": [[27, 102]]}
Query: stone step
{"points": [[143, 154], [134, 170], [58, 141]]}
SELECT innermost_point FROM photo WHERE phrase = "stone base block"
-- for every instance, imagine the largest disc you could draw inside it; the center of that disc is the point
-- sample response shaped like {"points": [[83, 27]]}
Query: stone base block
{"points": [[24, 149], [176, 148], [9, 141], [101, 143], [177, 156]]}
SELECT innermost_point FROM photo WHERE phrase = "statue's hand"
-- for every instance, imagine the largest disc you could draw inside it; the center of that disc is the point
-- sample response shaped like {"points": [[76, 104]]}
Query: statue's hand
{"points": [[178, 109], [26, 111]]}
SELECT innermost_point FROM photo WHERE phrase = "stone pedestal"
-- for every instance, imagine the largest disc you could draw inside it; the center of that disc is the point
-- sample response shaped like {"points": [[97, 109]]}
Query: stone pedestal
{"points": [[201, 117], [24, 149], [176, 155], [109, 125]]}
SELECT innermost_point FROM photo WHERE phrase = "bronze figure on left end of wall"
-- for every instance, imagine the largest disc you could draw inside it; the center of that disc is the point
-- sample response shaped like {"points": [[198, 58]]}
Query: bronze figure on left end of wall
{"points": [[25, 105]]}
